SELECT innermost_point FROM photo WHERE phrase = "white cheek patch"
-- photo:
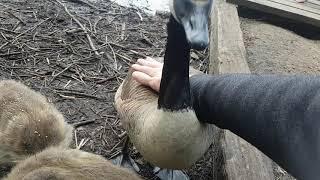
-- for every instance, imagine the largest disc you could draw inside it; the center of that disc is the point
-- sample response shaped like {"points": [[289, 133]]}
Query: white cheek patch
{"points": [[172, 9]]}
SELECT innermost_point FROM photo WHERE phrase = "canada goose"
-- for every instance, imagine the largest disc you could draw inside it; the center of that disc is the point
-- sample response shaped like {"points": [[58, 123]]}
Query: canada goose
{"points": [[28, 123], [71, 164], [163, 127]]}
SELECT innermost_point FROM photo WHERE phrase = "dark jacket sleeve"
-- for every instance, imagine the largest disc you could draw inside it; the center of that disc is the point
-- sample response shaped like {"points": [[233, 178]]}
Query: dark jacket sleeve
{"points": [[277, 114]]}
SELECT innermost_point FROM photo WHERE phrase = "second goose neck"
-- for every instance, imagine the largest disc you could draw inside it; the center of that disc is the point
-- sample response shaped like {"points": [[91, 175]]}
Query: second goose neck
{"points": [[175, 87]]}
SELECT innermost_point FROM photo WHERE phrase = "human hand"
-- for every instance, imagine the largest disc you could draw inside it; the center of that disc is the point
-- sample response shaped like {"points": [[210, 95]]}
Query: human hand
{"points": [[148, 72]]}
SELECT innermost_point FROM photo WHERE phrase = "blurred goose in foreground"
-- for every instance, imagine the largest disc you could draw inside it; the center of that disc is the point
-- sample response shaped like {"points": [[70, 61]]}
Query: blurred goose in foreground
{"points": [[28, 123]]}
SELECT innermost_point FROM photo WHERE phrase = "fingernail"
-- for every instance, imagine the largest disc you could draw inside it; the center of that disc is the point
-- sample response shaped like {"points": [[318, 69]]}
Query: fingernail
{"points": [[139, 60], [134, 66], [134, 74]]}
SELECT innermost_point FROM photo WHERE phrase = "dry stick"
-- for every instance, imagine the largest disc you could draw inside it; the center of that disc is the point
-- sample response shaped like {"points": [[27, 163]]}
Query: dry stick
{"points": [[67, 97], [31, 29], [81, 26], [125, 48], [8, 31], [125, 58], [21, 34], [82, 94], [3, 36], [123, 29], [105, 80], [56, 75], [19, 19], [114, 55], [96, 23], [41, 36], [11, 54], [83, 142], [118, 144], [122, 134], [82, 123]]}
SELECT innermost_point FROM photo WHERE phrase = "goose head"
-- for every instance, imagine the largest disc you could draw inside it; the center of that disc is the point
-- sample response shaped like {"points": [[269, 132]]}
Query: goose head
{"points": [[193, 16]]}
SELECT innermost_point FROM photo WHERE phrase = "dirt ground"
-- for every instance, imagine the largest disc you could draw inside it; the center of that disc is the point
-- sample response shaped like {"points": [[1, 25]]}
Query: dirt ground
{"points": [[279, 46], [274, 49], [77, 56]]}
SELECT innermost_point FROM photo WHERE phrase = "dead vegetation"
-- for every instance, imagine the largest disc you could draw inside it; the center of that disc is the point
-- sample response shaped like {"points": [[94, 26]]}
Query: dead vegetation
{"points": [[77, 53]]}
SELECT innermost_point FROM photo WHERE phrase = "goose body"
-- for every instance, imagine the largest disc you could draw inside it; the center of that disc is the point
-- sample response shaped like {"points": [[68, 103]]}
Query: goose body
{"points": [[28, 123], [167, 139], [71, 164], [164, 127]]}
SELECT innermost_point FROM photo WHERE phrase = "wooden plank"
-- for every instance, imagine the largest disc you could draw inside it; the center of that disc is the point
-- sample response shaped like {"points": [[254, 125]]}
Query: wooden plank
{"points": [[313, 4], [235, 159], [284, 8], [316, 2], [228, 54], [294, 4]]}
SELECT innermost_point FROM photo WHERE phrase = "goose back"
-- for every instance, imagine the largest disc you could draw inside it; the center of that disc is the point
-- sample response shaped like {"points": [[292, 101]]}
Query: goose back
{"points": [[71, 164], [28, 123]]}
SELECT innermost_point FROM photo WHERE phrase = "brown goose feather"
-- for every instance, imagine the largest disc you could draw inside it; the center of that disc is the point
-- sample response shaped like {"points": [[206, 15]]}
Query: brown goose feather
{"points": [[71, 164], [28, 123]]}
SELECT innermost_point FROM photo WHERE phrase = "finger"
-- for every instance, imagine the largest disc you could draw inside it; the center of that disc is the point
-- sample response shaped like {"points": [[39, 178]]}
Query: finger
{"points": [[144, 79], [149, 62], [141, 78], [144, 69], [155, 83], [154, 60]]}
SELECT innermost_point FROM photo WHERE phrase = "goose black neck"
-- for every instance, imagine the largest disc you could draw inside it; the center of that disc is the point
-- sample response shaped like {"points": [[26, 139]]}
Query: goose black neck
{"points": [[175, 87]]}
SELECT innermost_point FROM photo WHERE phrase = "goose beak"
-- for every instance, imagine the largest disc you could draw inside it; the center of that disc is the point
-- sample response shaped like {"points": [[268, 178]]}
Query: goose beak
{"points": [[196, 28]]}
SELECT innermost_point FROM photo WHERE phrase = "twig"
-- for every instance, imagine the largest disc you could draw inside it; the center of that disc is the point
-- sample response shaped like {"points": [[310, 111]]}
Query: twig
{"points": [[115, 154], [122, 134], [125, 58], [82, 123], [11, 54], [21, 34], [81, 94], [67, 97], [3, 36], [96, 23], [19, 19], [58, 74], [132, 51], [82, 143], [31, 29], [81, 26], [8, 31], [123, 29], [115, 62], [140, 16], [124, 140], [105, 80]]}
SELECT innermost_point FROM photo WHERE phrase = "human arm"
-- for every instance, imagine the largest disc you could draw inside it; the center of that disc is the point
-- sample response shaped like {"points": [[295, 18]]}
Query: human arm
{"points": [[277, 114]]}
